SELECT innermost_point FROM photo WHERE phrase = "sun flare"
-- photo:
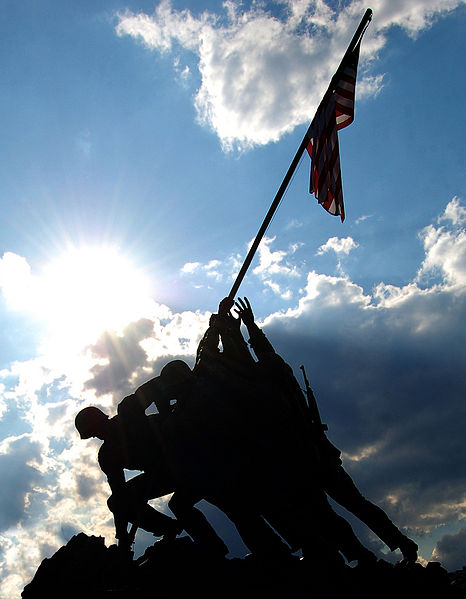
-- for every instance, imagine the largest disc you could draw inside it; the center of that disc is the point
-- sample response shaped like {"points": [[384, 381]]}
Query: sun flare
{"points": [[87, 290]]}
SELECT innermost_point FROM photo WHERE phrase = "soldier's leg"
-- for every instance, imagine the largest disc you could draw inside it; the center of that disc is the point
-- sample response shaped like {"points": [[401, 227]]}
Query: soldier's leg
{"points": [[256, 533], [195, 523], [306, 521], [346, 540], [132, 504], [245, 511], [340, 487]]}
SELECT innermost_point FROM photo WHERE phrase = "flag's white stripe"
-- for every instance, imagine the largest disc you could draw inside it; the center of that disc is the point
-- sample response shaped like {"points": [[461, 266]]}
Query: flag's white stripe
{"points": [[348, 85], [348, 102]]}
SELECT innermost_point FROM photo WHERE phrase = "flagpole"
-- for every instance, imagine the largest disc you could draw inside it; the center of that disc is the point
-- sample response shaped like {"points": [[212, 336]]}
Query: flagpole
{"points": [[287, 178]]}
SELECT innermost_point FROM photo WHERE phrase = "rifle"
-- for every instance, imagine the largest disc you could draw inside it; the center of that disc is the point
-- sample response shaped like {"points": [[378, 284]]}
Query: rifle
{"points": [[316, 421]]}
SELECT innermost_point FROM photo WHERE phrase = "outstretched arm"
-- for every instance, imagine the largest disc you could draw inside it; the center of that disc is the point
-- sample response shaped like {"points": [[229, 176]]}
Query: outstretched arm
{"points": [[244, 311], [257, 339], [235, 348], [152, 392], [225, 327]]}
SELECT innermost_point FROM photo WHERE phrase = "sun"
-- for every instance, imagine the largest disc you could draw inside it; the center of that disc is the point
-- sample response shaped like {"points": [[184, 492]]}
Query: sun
{"points": [[89, 289]]}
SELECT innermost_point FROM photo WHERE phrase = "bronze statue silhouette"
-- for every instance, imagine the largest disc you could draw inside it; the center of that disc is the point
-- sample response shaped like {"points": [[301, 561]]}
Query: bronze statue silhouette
{"points": [[279, 484], [133, 440], [208, 415], [181, 450], [238, 433], [334, 479]]}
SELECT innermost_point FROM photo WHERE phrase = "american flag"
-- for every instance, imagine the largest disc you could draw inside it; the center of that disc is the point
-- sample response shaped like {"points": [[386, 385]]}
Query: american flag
{"points": [[335, 112]]}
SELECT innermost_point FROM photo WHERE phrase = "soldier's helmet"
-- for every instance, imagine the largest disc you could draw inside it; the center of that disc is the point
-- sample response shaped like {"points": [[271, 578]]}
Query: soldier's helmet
{"points": [[175, 377], [89, 421], [175, 371]]}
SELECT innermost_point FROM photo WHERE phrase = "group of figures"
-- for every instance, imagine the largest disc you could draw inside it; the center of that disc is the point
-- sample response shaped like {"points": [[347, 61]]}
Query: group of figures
{"points": [[239, 432]]}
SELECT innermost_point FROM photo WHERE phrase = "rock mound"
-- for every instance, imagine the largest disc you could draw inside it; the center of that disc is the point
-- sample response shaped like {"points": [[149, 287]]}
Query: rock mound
{"points": [[85, 568]]}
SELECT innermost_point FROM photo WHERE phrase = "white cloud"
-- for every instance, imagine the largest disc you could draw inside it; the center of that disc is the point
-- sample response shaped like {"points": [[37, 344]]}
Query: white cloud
{"points": [[339, 245], [261, 75], [370, 85], [444, 267], [190, 267], [16, 281], [446, 246], [446, 252], [273, 262], [413, 16], [273, 265], [294, 224], [454, 212], [362, 218]]}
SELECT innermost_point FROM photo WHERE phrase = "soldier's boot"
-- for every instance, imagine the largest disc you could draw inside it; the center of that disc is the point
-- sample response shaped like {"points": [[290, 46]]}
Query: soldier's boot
{"points": [[196, 525], [409, 549]]}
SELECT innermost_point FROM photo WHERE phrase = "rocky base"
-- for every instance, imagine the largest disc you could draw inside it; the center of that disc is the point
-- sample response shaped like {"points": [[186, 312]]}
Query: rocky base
{"points": [[85, 568]]}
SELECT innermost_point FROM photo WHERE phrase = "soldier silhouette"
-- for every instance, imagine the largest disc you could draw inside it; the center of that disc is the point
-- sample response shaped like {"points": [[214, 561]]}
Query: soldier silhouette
{"points": [[279, 486], [209, 442], [135, 441], [334, 479], [186, 449]]}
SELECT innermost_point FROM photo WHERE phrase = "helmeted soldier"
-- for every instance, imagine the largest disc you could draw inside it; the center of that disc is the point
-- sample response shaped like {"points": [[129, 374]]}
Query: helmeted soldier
{"points": [[334, 479], [135, 441], [280, 485], [130, 442], [210, 410]]}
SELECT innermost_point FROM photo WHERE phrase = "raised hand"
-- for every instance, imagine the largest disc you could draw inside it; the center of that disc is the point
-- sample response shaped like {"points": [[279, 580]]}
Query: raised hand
{"points": [[244, 311], [225, 305]]}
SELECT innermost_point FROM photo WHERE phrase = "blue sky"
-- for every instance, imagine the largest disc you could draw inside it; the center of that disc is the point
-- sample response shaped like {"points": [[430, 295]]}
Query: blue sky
{"points": [[142, 144]]}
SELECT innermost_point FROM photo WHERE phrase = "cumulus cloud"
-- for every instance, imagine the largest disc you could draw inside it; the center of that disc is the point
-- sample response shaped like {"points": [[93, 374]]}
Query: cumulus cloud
{"points": [[122, 355], [450, 550], [274, 262], [389, 374], [127, 359], [446, 248], [218, 270], [263, 69], [275, 268], [386, 365], [339, 245], [19, 475], [189, 267]]}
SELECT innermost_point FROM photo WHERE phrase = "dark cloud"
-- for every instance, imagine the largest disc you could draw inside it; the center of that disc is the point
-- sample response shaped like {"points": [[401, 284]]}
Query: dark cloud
{"points": [[86, 486], [125, 356], [18, 479], [128, 365], [451, 550], [390, 383]]}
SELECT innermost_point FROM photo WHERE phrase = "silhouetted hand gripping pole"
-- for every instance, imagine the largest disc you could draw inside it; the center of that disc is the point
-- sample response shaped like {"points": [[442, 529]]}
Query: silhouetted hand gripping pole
{"points": [[279, 195]]}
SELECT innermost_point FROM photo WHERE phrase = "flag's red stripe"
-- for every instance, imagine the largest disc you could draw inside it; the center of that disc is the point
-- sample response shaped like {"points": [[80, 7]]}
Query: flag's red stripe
{"points": [[336, 113]]}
